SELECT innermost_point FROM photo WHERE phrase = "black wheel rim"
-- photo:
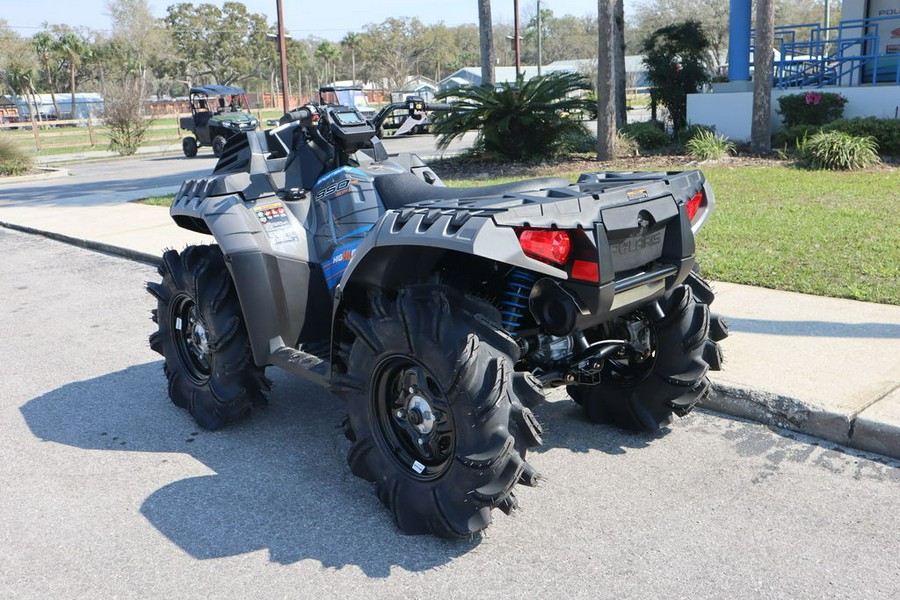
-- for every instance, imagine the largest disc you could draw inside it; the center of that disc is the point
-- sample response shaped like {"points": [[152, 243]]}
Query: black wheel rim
{"points": [[191, 341], [414, 421], [629, 367]]}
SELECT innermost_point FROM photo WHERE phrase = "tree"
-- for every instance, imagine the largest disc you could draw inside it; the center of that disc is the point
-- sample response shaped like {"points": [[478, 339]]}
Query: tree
{"points": [[712, 16], [19, 76], [674, 58], [524, 120], [44, 45], [607, 58], [138, 37], [352, 41], [327, 53], [224, 45], [562, 38], [486, 41], [392, 49], [762, 76], [72, 48]]}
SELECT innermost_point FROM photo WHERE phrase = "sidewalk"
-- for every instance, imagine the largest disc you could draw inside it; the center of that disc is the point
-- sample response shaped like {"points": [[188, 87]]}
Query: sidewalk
{"points": [[825, 367]]}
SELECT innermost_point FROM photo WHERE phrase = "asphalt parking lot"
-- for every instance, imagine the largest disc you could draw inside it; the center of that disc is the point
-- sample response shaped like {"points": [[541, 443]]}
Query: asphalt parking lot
{"points": [[113, 492]]}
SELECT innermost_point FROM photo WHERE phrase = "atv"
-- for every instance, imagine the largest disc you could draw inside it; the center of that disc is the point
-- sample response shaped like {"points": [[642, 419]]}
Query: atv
{"points": [[411, 116], [439, 314], [217, 113]]}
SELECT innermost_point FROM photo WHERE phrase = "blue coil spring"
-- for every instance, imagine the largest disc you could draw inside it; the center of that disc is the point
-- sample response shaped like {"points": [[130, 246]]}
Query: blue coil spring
{"points": [[514, 304]]}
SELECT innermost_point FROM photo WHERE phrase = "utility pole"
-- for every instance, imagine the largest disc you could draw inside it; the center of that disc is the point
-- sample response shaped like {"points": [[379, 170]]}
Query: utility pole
{"points": [[540, 34], [515, 36], [282, 54]]}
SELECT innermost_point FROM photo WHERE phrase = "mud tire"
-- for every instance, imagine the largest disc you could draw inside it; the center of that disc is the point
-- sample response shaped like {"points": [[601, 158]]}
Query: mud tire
{"points": [[432, 338], [673, 380], [202, 336]]}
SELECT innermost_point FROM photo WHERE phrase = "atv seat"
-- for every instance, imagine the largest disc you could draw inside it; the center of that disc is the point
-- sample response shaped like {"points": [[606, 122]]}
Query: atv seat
{"points": [[397, 191]]}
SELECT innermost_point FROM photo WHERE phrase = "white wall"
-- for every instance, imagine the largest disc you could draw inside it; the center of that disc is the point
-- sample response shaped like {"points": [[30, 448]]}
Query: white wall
{"points": [[731, 113]]}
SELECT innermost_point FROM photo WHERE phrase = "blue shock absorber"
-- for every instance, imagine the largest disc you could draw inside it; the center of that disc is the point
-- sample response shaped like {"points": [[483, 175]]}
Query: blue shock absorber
{"points": [[514, 304]]}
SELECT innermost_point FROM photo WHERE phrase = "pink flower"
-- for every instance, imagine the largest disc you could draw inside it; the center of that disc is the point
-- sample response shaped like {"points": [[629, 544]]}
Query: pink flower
{"points": [[813, 98]]}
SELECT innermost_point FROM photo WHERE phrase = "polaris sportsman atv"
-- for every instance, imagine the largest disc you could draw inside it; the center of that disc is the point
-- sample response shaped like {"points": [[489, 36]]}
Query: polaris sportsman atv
{"points": [[438, 314]]}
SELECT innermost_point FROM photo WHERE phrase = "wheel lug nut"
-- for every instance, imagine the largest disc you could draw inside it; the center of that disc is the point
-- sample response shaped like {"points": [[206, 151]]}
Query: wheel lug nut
{"points": [[401, 414], [412, 389], [420, 441]]}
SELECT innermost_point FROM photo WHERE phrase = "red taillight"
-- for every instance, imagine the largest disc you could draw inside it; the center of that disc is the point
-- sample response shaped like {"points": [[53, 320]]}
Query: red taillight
{"points": [[693, 205], [548, 245], [585, 270]]}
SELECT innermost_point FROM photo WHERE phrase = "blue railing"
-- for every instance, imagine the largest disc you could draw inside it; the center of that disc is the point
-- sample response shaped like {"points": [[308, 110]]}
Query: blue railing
{"points": [[847, 54]]}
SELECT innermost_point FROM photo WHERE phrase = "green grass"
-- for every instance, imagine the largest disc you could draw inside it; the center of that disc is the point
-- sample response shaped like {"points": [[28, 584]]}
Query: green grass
{"points": [[158, 200], [816, 232], [824, 233]]}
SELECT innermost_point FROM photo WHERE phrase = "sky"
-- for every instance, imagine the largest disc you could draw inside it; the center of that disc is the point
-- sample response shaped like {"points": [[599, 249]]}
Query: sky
{"points": [[329, 20]]}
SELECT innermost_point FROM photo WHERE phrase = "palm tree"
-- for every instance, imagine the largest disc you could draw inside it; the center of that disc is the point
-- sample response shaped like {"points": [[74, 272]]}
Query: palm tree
{"points": [[522, 120], [352, 41], [326, 51], [607, 59], [760, 139], [20, 79], [44, 45], [72, 47]]}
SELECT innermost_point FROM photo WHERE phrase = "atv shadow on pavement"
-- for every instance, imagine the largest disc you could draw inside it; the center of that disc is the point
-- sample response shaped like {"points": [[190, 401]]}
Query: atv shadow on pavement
{"points": [[281, 480]]}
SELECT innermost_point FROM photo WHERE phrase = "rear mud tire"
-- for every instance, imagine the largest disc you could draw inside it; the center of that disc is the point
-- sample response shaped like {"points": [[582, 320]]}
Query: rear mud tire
{"points": [[671, 382], [218, 145], [202, 336], [432, 350]]}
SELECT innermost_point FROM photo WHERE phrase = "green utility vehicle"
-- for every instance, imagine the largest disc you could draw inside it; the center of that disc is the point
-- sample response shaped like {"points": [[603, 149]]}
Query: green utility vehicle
{"points": [[217, 113]]}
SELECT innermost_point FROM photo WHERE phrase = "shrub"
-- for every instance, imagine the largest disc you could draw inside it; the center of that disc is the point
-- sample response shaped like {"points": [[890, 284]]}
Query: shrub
{"points": [[791, 137], [838, 151], [708, 145], [885, 131], [13, 161], [811, 108], [123, 112], [691, 131], [649, 135], [626, 146]]}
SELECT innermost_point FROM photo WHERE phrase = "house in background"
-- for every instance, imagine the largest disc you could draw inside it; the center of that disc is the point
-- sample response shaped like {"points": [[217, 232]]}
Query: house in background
{"points": [[858, 58]]}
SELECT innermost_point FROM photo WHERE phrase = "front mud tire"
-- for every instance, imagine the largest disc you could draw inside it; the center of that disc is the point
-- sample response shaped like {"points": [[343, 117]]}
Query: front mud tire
{"points": [[434, 413], [673, 380], [201, 334]]}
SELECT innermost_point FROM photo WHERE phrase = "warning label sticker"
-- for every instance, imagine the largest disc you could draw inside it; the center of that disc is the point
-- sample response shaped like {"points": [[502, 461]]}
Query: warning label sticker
{"points": [[276, 223]]}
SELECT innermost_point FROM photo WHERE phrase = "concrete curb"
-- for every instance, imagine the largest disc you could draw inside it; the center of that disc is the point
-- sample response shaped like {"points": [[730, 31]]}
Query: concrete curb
{"points": [[855, 430], [128, 253]]}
